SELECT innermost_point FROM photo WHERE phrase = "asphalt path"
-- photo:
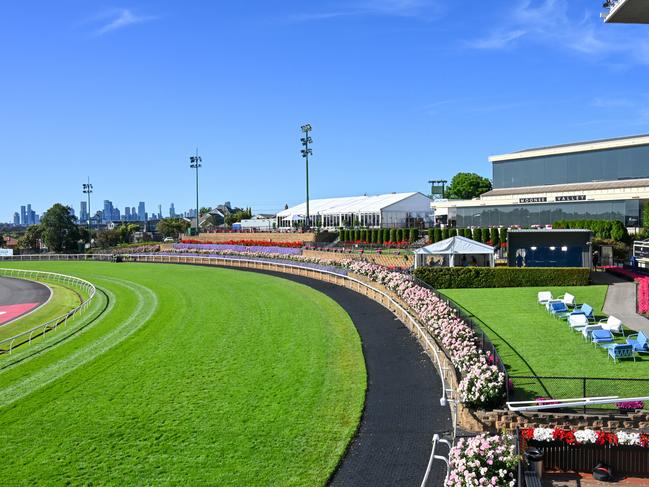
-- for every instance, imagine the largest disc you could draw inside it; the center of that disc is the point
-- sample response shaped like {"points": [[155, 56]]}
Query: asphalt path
{"points": [[402, 411], [18, 297]]}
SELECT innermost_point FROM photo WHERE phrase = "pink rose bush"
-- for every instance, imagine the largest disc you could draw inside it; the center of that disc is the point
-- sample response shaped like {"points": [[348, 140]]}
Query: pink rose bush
{"points": [[585, 437], [483, 461], [643, 286], [482, 383]]}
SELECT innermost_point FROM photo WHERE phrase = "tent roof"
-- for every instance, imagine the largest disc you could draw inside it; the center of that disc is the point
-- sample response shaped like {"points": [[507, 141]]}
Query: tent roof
{"points": [[354, 204], [456, 245]]}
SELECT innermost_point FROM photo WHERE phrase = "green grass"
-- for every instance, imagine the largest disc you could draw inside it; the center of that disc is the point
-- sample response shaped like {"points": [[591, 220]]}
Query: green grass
{"points": [[191, 376], [531, 342], [63, 299]]}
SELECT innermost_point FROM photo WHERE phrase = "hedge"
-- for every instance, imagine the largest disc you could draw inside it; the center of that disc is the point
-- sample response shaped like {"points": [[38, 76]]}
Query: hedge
{"points": [[488, 277], [607, 229]]}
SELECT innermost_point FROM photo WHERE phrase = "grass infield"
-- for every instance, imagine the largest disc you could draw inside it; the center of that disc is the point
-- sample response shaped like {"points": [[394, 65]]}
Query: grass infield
{"points": [[532, 342], [191, 376]]}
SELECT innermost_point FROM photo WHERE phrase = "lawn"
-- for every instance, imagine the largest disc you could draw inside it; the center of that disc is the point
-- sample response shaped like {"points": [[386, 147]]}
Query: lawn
{"points": [[184, 375], [531, 342], [63, 300]]}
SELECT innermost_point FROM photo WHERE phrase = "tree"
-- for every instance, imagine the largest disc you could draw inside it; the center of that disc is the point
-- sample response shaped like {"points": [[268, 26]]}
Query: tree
{"points": [[126, 231], [31, 238], [503, 236], [237, 216], [467, 185], [59, 229], [108, 238], [172, 227], [645, 217], [495, 237], [204, 210]]}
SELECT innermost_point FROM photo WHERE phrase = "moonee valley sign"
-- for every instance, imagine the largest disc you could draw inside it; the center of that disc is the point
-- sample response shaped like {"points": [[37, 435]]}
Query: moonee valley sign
{"points": [[559, 199]]}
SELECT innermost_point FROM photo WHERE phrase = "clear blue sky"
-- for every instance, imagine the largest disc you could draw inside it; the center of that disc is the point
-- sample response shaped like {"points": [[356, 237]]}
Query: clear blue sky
{"points": [[398, 92]]}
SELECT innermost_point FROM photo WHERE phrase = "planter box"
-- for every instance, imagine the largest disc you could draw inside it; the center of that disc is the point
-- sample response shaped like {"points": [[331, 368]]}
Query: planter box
{"points": [[626, 460]]}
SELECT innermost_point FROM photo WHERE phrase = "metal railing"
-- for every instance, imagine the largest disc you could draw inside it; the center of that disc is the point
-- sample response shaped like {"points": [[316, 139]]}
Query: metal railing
{"points": [[74, 282]]}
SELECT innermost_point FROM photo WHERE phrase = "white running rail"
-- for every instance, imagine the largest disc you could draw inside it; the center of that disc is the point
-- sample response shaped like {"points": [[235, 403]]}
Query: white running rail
{"points": [[69, 281]]}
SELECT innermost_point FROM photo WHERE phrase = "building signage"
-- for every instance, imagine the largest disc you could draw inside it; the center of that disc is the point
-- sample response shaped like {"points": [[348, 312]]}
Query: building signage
{"points": [[6, 252], [578, 197], [541, 199]]}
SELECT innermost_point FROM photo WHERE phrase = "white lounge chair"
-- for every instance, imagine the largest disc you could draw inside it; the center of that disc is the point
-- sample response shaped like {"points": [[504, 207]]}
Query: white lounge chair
{"points": [[544, 297], [577, 322], [612, 324], [569, 300]]}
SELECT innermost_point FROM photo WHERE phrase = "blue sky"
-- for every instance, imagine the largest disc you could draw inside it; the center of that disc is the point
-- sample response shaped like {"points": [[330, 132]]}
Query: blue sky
{"points": [[397, 91]]}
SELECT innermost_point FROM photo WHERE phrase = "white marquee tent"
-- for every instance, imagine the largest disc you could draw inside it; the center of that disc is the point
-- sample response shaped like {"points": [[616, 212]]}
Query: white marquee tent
{"points": [[452, 248]]}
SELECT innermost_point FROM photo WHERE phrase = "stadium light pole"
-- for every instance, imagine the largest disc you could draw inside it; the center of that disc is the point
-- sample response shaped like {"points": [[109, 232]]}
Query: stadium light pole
{"points": [[87, 189], [195, 163], [306, 152]]}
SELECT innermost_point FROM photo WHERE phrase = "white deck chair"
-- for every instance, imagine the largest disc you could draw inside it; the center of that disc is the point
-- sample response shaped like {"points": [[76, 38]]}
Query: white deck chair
{"points": [[544, 297], [612, 324]]}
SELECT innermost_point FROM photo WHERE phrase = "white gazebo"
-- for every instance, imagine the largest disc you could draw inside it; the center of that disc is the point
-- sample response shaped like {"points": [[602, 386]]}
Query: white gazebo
{"points": [[457, 251]]}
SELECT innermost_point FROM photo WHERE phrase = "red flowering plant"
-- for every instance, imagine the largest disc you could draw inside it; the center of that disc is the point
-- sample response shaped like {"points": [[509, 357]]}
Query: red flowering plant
{"points": [[247, 243]]}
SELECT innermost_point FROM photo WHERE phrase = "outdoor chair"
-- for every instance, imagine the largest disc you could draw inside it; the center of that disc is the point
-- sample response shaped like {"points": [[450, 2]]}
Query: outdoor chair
{"points": [[577, 322], [587, 330], [612, 324], [601, 336], [639, 342], [621, 351], [568, 299], [586, 310], [558, 309], [544, 297]]}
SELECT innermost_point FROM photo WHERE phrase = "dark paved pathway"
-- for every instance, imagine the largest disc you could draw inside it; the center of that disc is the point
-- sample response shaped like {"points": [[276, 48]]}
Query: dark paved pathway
{"points": [[402, 410], [19, 297], [621, 300]]}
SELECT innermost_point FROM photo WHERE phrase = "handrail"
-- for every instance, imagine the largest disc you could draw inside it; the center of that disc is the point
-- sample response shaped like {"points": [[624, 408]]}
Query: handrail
{"points": [[86, 286]]}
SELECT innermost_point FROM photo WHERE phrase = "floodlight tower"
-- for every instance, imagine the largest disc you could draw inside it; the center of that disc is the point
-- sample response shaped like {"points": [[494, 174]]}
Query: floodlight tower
{"points": [[87, 189], [306, 152], [195, 163]]}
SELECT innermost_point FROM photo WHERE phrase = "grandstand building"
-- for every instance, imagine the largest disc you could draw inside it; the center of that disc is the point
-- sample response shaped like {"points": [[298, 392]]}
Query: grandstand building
{"points": [[600, 180], [394, 210]]}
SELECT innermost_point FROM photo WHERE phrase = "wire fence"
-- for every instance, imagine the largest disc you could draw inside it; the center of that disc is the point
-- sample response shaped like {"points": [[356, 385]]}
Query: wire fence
{"points": [[87, 292]]}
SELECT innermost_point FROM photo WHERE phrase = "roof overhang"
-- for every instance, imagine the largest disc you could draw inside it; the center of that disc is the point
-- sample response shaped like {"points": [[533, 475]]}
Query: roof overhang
{"points": [[629, 12], [572, 148]]}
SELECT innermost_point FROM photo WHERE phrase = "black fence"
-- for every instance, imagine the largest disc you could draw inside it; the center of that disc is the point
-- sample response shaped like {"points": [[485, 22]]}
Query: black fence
{"points": [[533, 386]]}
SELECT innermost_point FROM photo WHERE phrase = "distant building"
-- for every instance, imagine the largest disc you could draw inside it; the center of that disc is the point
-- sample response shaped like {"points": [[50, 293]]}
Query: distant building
{"points": [[31, 215], [141, 212], [83, 211], [23, 215], [16, 218], [172, 211], [108, 211], [127, 214], [394, 210]]}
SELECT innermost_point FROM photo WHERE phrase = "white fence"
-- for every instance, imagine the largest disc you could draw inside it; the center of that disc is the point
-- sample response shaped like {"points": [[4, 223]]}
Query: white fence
{"points": [[40, 330]]}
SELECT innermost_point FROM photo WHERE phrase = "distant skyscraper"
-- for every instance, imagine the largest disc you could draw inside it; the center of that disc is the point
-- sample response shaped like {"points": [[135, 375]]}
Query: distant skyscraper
{"points": [[30, 214], [23, 215], [127, 213], [108, 211], [141, 211], [115, 215], [133, 213], [159, 212], [83, 211], [16, 218], [172, 211]]}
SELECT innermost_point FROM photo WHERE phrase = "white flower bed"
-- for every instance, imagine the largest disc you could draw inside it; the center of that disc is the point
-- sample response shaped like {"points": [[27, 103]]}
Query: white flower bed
{"points": [[483, 460]]}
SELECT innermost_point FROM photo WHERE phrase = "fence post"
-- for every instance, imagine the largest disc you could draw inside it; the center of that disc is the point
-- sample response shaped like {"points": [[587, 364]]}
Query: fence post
{"points": [[584, 390]]}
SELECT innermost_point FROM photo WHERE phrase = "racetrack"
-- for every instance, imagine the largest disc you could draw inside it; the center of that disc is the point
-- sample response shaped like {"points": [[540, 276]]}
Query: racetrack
{"points": [[19, 297]]}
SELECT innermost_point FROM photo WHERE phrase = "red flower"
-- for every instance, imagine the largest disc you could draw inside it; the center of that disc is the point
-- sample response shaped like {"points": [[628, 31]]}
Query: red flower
{"points": [[527, 433]]}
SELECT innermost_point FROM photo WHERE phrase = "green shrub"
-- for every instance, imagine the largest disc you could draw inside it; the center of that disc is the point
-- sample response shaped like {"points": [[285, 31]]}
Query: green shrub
{"points": [[438, 234], [380, 234], [503, 235], [393, 235], [414, 235], [477, 235], [386, 234], [494, 237], [431, 235], [484, 238], [357, 234], [452, 232], [444, 233], [488, 277]]}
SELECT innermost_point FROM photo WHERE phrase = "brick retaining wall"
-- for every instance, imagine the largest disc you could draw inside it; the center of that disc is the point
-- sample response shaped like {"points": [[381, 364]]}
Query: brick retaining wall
{"points": [[261, 236]]}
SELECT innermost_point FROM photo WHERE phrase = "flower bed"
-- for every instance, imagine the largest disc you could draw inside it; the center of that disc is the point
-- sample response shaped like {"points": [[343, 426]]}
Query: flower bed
{"points": [[482, 384], [267, 249], [483, 460], [643, 286], [246, 243], [585, 437]]}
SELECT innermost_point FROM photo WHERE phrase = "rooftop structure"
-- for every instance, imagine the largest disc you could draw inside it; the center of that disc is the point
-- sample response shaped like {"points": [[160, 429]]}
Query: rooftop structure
{"points": [[626, 12]]}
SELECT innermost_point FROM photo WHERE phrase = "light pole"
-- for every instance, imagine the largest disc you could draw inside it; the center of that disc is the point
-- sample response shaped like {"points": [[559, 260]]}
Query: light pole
{"points": [[195, 163], [306, 152], [87, 189]]}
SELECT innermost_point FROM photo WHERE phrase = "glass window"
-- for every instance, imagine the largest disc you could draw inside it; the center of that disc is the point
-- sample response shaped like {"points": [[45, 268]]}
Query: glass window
{"points": [[581, 167]]}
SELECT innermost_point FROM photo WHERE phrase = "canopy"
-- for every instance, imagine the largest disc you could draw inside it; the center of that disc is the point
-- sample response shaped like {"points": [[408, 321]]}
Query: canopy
{"points": [[293, 218], [454, 246]]}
